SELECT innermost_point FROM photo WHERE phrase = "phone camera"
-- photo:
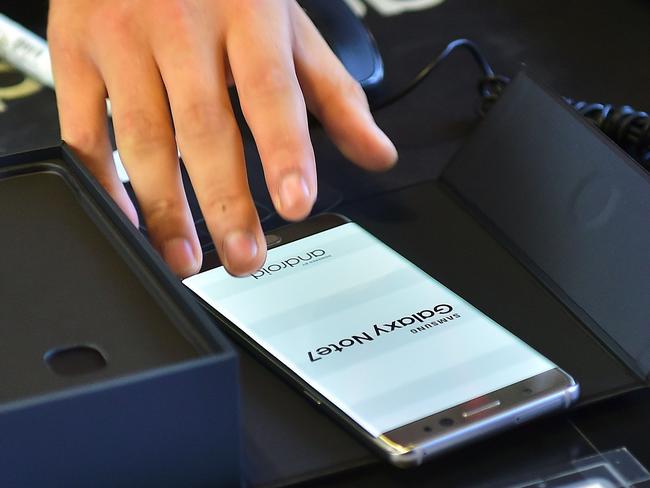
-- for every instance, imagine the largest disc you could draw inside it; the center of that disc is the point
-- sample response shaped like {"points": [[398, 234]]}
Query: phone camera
{"points": [[527, 391], [272, 240], [446, 422], [427, 428]]}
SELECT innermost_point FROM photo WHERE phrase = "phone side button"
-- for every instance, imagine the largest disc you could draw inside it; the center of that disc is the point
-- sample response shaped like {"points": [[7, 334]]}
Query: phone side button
{"points": [[312, 397]]}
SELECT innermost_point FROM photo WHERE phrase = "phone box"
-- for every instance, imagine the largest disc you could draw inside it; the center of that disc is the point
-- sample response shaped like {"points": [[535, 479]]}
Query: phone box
{"points": [[574, 209], [110, 375]]}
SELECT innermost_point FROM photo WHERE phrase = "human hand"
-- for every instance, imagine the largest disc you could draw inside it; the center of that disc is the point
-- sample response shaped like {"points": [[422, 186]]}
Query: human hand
{"points": [[166, 66]]}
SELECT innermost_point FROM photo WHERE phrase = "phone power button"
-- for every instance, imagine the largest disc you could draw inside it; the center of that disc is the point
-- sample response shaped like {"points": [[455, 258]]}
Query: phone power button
{"points": [[312, 397]]}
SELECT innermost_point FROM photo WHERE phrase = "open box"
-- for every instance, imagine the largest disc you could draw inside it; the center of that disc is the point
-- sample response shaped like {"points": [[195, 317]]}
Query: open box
{"points": [[109, 374]]}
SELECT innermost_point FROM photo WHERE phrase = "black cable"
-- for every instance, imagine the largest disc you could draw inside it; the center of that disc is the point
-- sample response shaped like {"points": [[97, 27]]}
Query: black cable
{"points": [[488, 72], [628, 127]]}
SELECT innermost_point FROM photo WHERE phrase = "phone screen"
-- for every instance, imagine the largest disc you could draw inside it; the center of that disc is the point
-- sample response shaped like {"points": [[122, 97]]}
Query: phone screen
{"points": [[379, 338]]}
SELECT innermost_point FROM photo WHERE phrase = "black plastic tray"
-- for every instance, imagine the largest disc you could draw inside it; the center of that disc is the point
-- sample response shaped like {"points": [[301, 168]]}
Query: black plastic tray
{"points": [[158, 402]]}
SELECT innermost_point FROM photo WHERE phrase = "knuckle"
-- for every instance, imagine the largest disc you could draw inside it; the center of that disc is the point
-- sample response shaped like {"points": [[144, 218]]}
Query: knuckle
{"points": [[179, 11], [177, 19], [137, 130], [64, 43], [114, 19], [159, 209], [249, 8], [343, 93], [162, 212], [356, 90], [349, 87], [200, 120], [272, 82], [84, 140]]}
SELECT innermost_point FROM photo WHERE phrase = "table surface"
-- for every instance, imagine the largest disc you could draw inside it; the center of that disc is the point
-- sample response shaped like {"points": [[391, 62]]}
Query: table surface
{"points": [[587, 49]]}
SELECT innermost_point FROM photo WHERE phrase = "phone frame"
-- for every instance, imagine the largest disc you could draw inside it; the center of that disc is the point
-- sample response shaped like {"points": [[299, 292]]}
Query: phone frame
{"points": [[411, 444]]}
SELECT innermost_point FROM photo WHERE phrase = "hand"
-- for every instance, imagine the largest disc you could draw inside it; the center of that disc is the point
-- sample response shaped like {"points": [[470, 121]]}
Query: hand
{"points": [[166, 66]]}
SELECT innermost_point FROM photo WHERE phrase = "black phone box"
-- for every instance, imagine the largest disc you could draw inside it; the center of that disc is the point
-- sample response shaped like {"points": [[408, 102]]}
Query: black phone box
{"points": [[110, 375], [542, 223], [574, 209]]}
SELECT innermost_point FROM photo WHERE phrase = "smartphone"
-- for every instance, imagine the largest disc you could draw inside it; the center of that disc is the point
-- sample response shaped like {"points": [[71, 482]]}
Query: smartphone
{"points": [[393, 354]]}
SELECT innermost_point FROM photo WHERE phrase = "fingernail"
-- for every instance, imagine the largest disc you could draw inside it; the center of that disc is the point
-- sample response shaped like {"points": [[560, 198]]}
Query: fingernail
{"points": [[293, 191], [178, 254], [240, 248]]}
